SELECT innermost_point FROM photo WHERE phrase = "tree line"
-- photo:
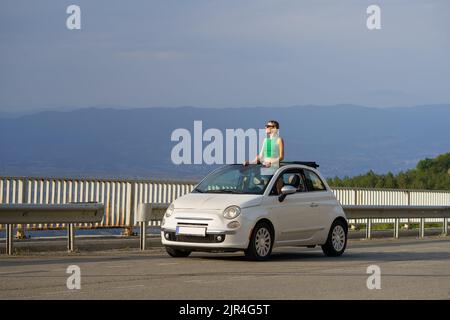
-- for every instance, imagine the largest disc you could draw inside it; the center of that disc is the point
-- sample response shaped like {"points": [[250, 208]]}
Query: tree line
{"points": [[429, 174]]}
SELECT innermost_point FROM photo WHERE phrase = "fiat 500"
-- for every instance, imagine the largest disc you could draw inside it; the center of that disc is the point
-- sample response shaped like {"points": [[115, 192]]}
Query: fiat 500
{"points": [[242, 208]]}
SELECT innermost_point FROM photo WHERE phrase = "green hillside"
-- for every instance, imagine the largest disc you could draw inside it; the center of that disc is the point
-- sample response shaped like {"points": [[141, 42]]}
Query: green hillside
{"points": [[431, 174]]}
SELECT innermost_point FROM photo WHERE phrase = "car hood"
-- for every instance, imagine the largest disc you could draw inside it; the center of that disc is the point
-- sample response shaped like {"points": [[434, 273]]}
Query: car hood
{"points": [[217, 201]]}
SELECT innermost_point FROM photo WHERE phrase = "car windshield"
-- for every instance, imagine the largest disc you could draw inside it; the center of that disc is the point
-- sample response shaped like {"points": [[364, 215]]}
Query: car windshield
{"points": [[235, 179]]}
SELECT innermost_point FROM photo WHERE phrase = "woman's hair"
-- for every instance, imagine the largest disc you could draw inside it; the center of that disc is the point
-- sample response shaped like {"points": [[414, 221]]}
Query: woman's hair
{"points": [[275, 123]]}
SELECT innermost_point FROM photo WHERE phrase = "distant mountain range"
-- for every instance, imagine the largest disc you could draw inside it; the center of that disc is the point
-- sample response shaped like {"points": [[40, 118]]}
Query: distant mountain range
{"points": [[136, 143]]}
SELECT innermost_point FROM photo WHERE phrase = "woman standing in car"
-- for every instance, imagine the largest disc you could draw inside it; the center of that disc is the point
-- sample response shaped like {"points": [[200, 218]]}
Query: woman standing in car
{"points": [[272, 151]]}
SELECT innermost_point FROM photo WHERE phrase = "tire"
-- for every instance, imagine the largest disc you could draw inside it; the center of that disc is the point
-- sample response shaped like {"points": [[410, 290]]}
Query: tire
{"points": [[261, 243], [337, 239], [176, 253]]}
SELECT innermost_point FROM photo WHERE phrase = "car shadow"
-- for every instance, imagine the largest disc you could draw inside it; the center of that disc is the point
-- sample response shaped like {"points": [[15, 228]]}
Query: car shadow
{"points": [[346, 257]]}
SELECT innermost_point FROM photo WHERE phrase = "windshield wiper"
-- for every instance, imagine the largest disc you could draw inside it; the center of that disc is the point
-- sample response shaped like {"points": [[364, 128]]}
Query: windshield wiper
{"points": [[198, 190], [223, 191]]}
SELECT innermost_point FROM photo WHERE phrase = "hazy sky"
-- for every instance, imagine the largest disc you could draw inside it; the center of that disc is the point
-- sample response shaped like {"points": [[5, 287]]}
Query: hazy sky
{"points": [[228, 53]]}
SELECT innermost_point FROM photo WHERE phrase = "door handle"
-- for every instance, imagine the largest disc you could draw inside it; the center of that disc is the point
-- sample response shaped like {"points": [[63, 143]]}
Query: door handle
{"points": [[313, 205]]}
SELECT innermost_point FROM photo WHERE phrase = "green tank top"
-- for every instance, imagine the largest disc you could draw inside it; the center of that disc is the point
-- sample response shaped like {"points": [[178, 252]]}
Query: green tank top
{"points": [[271, 149]]}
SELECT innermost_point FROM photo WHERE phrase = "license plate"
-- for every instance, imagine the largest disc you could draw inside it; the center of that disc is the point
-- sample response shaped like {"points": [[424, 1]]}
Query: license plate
{"points": [[191, 231]]}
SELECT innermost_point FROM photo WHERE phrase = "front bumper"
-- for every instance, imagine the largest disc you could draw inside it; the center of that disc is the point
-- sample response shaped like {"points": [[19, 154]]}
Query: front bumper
{"points": [[213, 240], [171, 235], [218, 233]]}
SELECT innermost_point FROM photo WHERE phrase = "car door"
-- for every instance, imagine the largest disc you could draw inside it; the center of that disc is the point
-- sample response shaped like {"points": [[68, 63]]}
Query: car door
{"points": [[320, 203], [293, 215]]}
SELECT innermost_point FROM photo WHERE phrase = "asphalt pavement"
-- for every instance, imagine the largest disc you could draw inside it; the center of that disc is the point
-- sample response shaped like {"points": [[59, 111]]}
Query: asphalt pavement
{"points": [[409, 268]]}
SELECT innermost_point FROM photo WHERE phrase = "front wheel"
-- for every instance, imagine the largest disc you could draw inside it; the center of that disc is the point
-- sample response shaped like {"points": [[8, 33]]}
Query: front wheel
{"points": [[337, 239], [261, 242], [176, 253]]}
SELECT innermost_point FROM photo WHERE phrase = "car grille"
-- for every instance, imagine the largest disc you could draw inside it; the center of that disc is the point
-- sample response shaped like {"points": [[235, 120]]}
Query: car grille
{"points": [[210, 238]]}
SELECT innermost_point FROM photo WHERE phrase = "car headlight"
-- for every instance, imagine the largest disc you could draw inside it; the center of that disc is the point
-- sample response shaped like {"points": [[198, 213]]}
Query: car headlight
{"points": [[231, 212], [170, 210]]}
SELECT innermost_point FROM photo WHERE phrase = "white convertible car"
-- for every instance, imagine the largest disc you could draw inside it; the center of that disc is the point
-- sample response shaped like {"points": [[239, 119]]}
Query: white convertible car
{"points": [[237, 208]]}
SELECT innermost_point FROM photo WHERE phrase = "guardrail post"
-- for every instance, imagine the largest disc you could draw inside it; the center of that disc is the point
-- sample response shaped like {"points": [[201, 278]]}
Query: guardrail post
{"points": [[144, 214], [445, 227], [408, 201], [369, 229], [9, 239], [130, 196], [70, 237], [20, 233], [142, 235], [422, 228], [396, 228]]}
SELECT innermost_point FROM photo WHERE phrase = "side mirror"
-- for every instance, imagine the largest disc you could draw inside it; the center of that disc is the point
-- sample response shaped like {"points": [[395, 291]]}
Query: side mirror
{"points": [[285, 191], [288, 190]]}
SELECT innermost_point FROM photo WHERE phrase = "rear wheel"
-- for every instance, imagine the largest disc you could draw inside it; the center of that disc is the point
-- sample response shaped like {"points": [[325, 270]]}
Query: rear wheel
{"points": [[261, 242], [177, 253], [337, 239]]}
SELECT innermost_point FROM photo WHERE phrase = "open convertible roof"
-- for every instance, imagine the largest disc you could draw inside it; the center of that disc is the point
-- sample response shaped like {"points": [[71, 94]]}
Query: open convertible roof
{"points": [[311, 164]]}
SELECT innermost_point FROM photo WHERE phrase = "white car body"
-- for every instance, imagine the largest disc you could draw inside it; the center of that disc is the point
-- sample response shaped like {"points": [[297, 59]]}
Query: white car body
{"points": [[301, 219]]}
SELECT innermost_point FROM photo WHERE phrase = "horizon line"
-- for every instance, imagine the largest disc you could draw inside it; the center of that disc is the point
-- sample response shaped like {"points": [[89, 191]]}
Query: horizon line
{"points": [[131, 108]]}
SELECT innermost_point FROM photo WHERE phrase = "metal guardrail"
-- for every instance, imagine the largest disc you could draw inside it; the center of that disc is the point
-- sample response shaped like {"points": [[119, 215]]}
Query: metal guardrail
{"points": [[369, 213], [121, 197], [372, 212], [91, 213], [69, 214]]}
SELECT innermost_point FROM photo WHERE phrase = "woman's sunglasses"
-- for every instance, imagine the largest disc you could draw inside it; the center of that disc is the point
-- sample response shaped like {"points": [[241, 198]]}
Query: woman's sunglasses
{"points": [[270, 126]]}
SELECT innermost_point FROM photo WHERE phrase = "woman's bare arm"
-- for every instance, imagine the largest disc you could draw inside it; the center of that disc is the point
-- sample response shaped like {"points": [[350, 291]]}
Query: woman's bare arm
{"points": [[281, 147], [257, 158]]}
